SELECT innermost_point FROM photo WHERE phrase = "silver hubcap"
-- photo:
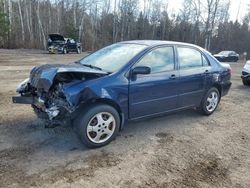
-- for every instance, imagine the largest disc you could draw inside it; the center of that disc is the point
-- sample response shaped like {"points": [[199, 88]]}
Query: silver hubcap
{"points": [[212, 101], [101, 127]]}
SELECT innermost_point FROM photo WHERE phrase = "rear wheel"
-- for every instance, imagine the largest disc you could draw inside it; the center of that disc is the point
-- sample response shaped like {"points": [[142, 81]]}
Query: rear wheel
{"points": [[64, 51], [78, 50], [98, 125], [210, 101]]}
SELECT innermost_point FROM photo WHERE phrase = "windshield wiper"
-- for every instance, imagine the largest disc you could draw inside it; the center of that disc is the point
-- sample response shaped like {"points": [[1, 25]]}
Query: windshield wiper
{"points": [[91, 66]]}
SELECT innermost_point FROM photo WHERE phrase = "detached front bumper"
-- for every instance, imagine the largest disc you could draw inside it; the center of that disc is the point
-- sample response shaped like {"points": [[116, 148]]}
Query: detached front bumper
{"points": [[55, 49], [245, 76], [52, 113], [23, 100]]}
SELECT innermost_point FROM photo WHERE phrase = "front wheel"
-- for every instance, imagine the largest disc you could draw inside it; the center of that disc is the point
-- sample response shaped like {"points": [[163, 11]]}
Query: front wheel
{"points": [[210, 101], [245, 82], [98, 125], [78, 50]]}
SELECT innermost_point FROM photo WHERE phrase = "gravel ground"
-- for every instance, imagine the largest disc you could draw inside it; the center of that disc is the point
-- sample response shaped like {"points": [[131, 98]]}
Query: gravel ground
{"points": [[184, 149]]}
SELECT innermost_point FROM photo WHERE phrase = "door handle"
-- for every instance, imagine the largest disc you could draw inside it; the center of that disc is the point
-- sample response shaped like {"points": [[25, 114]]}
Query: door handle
{"points": [[172, 77], [206, 72]]}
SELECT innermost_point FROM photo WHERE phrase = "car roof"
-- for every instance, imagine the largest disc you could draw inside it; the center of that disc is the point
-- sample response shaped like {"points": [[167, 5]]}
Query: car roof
{"points": [[227, 51], [152, 43]]}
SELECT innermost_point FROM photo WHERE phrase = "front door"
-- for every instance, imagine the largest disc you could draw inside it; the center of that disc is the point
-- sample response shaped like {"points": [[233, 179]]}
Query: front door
{"points": [[156, 92]]}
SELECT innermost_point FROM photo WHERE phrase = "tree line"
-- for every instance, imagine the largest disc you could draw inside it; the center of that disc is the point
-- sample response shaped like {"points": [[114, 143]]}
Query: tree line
{"points": [[97, 23]]}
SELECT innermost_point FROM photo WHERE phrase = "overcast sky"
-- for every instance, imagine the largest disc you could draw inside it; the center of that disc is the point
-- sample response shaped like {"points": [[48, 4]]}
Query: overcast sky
{"points": [[175, 5]]}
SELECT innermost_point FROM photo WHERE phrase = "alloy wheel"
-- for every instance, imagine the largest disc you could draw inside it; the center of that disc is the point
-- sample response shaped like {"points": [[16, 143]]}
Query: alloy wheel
{"points": [[212, 101], [101, 127]]}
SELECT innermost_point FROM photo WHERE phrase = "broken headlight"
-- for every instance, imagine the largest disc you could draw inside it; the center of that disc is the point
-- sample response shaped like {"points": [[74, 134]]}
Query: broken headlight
{"points": [[22, 86]]}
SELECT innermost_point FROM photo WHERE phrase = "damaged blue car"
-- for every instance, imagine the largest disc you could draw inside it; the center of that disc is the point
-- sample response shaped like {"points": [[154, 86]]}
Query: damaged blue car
{"points": [[125, 81]]}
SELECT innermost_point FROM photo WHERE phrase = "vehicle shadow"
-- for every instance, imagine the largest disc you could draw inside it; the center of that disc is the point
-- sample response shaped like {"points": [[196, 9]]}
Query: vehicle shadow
{"points": [[62, 146], [163, 121], [63, 140], [243, 87]]}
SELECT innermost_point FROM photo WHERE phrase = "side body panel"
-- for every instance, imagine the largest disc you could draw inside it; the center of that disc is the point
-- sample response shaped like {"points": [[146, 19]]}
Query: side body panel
{"points": [[152, 94], [192, 86], [113, 88]]}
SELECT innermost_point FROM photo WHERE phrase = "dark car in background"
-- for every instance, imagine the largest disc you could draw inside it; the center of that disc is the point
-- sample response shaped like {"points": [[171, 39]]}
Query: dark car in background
{"points": [[227, 56], [58, 44], [122, 82]]}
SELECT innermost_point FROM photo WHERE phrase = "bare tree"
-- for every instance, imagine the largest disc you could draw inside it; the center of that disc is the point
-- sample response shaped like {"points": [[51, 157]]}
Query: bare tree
{"points": [[114, 22], [10, 14], [92, 22], [21, 19], [42, 34], [247, 16]]}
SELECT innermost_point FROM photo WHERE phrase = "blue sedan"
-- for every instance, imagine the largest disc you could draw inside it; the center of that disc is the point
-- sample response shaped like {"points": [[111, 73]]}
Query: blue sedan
{"points": [[125, 81]]}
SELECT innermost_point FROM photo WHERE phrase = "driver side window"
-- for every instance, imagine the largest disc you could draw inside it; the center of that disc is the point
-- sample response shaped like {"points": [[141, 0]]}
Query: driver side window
{"points": [[159, 60]]}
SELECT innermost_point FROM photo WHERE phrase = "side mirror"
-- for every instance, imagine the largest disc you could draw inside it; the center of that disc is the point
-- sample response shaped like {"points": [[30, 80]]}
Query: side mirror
{"points": [[141, 70]]}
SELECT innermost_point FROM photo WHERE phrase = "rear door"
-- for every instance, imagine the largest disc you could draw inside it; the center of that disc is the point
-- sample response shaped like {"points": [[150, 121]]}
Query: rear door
{"points": [[193, 72], [156, 92]]}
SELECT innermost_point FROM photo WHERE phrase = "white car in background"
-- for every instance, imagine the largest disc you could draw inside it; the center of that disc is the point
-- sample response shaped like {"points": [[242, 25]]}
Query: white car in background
{"points": [[246, 74], [227, 56]]}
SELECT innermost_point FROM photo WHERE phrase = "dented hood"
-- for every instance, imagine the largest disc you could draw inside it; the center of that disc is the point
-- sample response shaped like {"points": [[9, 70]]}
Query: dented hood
{"points": [[42, 77]]}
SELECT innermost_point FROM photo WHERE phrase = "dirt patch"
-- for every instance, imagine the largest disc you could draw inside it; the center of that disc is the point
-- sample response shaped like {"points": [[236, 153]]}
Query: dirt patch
{"points": [[11, 174], [209, 170], [14, 153], [164, 137], [93, 163]]}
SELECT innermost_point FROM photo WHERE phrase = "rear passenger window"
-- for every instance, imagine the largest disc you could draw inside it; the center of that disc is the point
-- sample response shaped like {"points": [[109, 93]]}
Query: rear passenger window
{"points": [[189, 58], [159, 60]]}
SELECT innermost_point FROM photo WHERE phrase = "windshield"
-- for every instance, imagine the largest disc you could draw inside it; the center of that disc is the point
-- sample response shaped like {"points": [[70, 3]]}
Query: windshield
{"points": [[112, 58]]}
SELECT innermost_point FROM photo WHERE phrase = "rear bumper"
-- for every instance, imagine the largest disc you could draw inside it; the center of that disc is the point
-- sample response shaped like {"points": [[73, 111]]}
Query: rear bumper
{"points": [[225, 88], [22, 100]]}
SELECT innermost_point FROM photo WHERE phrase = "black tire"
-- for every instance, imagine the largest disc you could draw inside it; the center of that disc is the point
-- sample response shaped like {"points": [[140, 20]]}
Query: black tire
{"points": [[204, 103], [78, 50], [235, 60], [64, 51], [84, 118], [245, 82]]}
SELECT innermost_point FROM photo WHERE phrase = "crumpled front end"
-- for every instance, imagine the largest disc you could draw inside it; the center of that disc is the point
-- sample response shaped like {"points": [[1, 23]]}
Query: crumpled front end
{"points": [[51, 105], [56, 48], [246, 72], [46, 90]]}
